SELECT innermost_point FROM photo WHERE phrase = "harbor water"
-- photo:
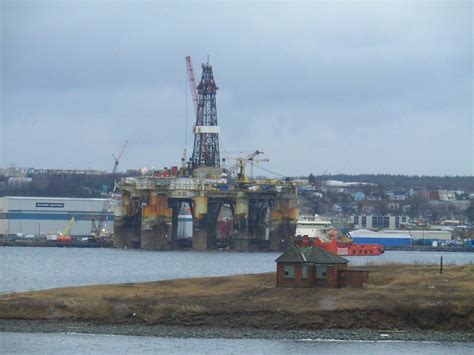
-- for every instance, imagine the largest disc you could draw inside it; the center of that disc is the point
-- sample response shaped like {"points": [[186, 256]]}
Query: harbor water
{"points": [[28, 269], [14, 343]]}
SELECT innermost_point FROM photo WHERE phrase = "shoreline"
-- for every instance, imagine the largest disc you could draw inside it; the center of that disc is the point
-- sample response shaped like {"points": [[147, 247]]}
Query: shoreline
{"points": [[415, 301], [27, 244], [361, 334]]}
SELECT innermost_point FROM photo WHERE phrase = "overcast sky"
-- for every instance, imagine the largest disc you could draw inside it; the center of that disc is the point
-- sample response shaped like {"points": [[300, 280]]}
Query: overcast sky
{"points": [[351, 87]]}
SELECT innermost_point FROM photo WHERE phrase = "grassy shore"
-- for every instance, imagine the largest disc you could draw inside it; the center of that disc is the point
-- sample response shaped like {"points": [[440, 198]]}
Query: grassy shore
{"points": [[396, 297]]}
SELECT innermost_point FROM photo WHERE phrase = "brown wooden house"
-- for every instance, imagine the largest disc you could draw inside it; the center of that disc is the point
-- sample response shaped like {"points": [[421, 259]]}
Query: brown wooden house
{"points": [[316, 267]]}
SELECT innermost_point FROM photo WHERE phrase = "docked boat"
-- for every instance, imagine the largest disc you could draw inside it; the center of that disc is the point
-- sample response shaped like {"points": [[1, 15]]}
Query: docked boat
{"points": [[315, 231], [349, 248], [312, 226]]}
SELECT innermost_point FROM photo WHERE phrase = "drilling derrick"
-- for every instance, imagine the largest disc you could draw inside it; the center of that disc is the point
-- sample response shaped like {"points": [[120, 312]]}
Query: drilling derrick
{"points": [[206, 130]]}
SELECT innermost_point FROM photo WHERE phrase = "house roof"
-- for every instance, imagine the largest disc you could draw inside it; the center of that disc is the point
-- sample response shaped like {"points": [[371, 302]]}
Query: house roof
{"points": [[319, 255], [316, 255], [292, 255]]}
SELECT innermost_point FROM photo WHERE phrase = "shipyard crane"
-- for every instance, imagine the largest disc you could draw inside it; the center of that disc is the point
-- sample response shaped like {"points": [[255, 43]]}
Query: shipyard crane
{"points": [[239, 167], [117, 158], [192, 83], [65, 236], [97, 228]]}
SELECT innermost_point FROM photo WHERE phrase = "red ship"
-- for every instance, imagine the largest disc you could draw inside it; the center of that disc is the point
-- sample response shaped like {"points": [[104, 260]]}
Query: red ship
{"points": [[340, 247]]}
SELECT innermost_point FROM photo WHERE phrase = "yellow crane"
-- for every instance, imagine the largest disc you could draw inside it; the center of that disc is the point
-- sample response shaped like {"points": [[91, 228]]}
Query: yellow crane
{"points": [[239, 168], [65, 235]]}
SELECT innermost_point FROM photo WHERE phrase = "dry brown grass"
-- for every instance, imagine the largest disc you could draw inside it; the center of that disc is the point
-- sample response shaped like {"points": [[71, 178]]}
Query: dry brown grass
{"points": [[397, 296]]}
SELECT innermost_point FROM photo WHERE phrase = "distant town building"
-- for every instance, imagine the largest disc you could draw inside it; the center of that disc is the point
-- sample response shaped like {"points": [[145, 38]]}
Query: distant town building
{"points": [[65, 172], [427, 235], [316, 195], [18, 181], [14, 171], [336, 183], [439, 195], [307, 190], [378, 221], [445, 195], [358, 196], [396, 195]]}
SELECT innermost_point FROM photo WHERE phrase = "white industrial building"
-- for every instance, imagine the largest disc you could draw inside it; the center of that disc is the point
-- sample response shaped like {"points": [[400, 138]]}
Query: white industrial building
{"points": [[48, 215], [379, 222]]}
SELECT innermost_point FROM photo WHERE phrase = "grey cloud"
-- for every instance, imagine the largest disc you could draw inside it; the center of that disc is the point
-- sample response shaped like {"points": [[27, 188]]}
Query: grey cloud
{"points": [[321, 86]]}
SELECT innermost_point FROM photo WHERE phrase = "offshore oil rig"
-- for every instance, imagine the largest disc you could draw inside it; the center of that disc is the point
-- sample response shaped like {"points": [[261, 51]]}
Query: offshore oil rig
{"points": [[264, 211]]}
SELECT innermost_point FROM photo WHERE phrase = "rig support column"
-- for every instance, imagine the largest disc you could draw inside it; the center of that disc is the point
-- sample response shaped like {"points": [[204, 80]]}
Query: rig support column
{"points": [[120, 223], [127, 223], [261, 225], [283, 222], [213, 208], [200, 237], [175, 205], [241, 239], [156, 223]]}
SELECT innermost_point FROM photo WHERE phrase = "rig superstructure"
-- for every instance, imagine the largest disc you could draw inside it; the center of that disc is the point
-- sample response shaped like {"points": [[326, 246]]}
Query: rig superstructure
{"points": [[264, 211], [206, 131]]}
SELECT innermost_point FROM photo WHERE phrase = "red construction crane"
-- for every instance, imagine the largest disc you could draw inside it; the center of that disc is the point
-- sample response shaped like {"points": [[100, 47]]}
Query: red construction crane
{"points": [[192, 83]]}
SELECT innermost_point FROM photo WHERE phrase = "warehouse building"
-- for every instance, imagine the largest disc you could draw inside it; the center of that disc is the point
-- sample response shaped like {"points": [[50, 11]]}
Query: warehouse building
{"points": [[390, 239], [399, 237], [428, 237], [48, 215]]}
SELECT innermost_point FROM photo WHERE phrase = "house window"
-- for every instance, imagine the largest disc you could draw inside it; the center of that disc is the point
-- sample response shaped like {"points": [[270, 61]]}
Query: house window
{"points": [[356, 219], [364, 221], [404, 219], [386, 221], [289, 271], [321, 272], [342, 275], [304, 272], [397, 222]]}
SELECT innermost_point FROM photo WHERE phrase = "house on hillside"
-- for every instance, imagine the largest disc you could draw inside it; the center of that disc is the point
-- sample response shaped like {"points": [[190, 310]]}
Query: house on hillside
{"points": [[358, 196], [316, 267]]}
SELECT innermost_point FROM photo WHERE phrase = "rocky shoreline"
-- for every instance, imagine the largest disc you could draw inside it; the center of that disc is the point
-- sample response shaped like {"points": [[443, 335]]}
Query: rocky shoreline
{"points": [[43, 326]]}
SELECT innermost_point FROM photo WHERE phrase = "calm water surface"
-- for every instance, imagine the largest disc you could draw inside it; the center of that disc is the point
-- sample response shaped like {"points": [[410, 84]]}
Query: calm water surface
{"points": [[13, 343], [24, 269]]}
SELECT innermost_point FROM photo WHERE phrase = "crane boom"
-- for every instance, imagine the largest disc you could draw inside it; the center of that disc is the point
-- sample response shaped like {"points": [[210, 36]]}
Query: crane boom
{"points": [[117, 158], [97, 229], [192, 83], [240, 161], [68, 228], [253, 161]]}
